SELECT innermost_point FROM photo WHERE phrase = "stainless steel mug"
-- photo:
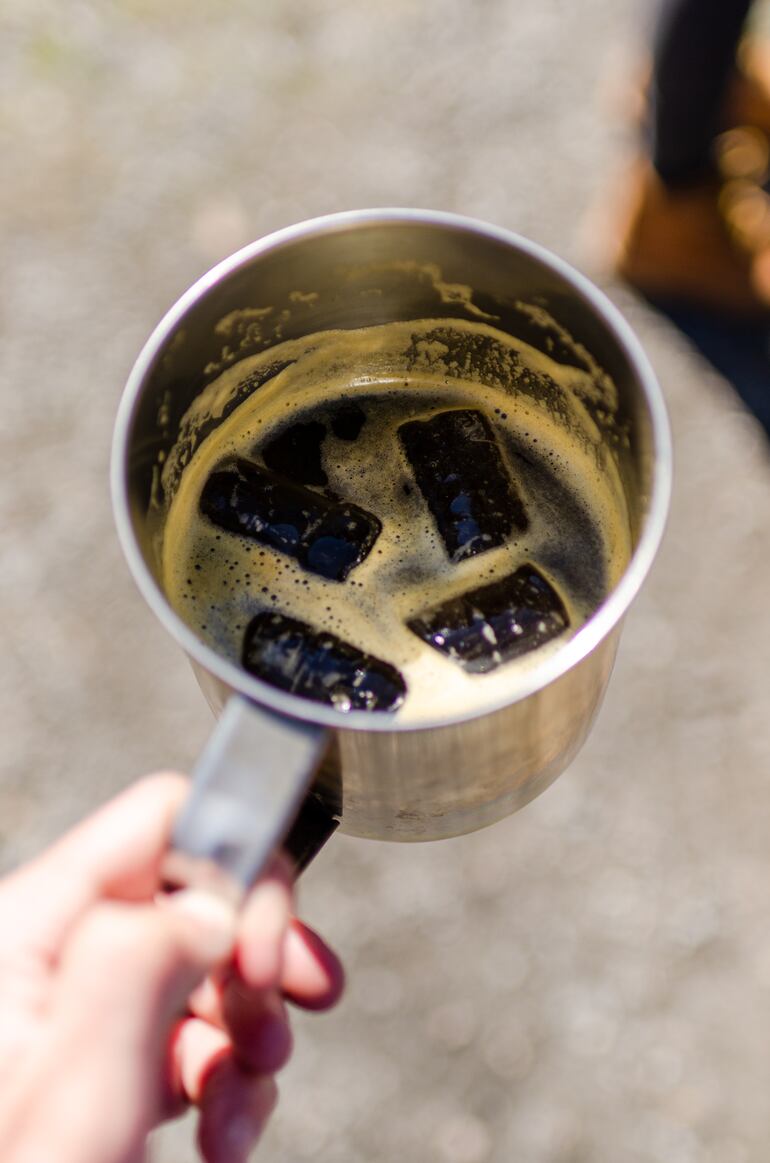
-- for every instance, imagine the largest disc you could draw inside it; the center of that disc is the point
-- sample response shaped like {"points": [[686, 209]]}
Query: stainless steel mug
{"points": [[377, 776]]}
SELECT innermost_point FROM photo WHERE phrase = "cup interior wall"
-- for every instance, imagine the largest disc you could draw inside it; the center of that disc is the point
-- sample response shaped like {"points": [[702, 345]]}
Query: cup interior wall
{"points": [[377, 273]]}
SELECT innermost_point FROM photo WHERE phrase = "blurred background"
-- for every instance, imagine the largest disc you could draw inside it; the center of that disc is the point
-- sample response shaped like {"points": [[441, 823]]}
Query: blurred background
{"points": [[590, 979]]}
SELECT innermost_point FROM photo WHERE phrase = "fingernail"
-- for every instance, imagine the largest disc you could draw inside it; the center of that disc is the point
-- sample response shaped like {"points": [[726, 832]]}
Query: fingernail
{"points": [[240, 1135], [215, 920], [241, 1132]]}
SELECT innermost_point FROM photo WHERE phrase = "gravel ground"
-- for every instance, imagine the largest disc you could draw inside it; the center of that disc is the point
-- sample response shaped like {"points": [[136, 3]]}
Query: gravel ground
{"points": [[590, 979]]}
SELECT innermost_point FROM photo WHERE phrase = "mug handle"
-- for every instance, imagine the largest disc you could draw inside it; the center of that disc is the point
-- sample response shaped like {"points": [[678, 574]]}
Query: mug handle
{"points": [[247, 789]]}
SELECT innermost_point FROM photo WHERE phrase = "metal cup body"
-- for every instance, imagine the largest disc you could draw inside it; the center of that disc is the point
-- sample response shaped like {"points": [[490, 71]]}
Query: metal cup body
{"points": [[388, 780]]}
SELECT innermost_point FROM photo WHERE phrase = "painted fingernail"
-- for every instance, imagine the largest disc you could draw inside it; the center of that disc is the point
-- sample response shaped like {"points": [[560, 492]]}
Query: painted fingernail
{"points": [[242, 1131]]}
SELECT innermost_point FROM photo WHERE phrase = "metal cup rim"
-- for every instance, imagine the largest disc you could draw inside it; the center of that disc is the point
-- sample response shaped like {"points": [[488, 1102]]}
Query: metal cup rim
{"points": [[526, 681]]}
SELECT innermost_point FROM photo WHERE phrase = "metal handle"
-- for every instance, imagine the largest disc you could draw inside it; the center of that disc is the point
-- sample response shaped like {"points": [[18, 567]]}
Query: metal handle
{"points": [[247, 789]]}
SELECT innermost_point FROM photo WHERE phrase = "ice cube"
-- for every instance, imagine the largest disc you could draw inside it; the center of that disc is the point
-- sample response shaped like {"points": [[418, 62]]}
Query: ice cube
{"points": [[347, 421], [296, 453], [316, 664], [485, 627], [327, 537], [459, 469]]}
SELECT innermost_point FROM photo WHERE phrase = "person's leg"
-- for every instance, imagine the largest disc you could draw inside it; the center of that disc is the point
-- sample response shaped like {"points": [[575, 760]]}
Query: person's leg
{"points": [[671, 238], [694, 56]]}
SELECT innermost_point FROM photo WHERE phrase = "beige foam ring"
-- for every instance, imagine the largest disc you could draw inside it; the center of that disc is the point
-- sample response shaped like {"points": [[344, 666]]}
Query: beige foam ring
{"points": [[217, 582]]}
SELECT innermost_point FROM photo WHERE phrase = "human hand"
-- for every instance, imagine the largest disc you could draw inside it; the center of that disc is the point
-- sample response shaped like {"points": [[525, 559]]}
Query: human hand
{"points": [[119, 1008]]}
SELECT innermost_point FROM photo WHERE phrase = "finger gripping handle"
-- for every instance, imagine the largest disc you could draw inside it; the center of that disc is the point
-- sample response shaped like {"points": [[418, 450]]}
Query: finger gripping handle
{"points": [[247, 789]]}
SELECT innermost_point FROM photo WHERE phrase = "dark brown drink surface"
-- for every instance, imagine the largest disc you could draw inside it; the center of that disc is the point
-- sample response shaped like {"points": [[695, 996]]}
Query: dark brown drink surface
{"points": [[445, 487]]}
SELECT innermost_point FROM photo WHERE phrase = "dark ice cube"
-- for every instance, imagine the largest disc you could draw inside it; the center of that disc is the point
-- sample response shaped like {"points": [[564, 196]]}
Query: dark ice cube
{"points": [[296, 453], [317, 665], [327, 537], [459, 469], [347, 421], [488, 626]]}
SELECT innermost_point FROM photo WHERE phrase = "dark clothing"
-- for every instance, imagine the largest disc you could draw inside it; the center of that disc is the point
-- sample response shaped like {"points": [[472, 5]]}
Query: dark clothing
{"points": [[694, 50]]}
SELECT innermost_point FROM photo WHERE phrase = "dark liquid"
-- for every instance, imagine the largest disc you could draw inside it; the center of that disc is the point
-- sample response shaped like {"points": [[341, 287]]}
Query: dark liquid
{"points": [[447, 493]]}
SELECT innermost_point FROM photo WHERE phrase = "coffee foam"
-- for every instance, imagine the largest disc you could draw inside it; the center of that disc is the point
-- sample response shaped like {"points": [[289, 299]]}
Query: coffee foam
{"points": [[578, 535]]}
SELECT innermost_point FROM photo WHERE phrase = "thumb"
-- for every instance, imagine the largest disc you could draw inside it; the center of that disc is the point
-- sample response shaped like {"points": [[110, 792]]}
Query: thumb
{"points": [[124, 976], [132, 966]]}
